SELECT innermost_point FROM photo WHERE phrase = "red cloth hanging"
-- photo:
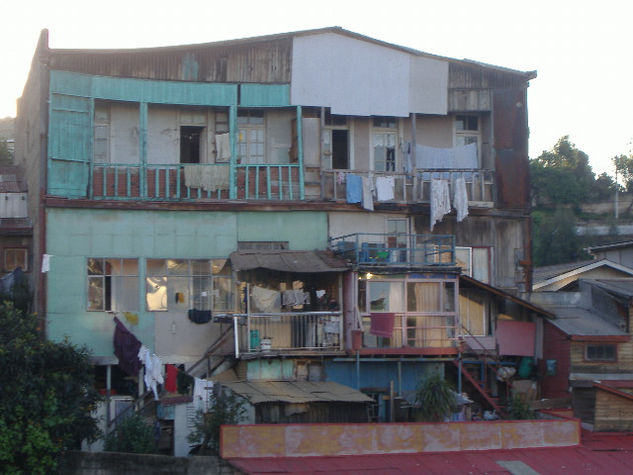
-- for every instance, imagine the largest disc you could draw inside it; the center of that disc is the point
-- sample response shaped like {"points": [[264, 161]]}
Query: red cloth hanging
{"points": [[171, 378], [382, 324]]}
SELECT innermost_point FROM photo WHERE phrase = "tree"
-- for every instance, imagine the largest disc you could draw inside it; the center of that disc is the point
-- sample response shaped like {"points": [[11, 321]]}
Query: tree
{"points": [[6, 157], [555, 240], [47, 397], [435, 398], [561, 175], [132, 435], [224, 409]]}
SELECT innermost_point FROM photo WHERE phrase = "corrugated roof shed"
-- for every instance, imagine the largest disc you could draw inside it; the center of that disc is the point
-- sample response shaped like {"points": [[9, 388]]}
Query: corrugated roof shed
{"points": [[297, 392]]}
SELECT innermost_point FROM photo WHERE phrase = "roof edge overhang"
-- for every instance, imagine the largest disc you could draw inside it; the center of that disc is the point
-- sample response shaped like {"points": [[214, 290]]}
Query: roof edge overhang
{"points": [[501, 293], [599, 338]]}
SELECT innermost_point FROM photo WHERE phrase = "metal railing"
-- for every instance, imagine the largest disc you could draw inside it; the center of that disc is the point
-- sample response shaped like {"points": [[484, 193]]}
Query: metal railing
{"points": [[415, 187], [397, 249], [416, 331], [198, 181], [287, 331]]}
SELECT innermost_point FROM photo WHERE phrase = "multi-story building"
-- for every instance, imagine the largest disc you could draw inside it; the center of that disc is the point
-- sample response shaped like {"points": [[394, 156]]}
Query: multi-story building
{"points": [[354, 211]]}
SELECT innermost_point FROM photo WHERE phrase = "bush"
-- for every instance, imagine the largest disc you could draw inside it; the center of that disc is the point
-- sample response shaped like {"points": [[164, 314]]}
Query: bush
{"points": [[224, 409], [133, 435], [436, 399], [520, 409]]}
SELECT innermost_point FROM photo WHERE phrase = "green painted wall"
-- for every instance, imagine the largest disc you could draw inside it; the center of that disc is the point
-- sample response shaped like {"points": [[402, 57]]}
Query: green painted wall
{"points": [[73, 235]]}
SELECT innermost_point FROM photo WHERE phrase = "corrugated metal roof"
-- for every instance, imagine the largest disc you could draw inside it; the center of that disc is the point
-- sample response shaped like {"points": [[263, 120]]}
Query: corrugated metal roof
{"points": [[598, 453], [622, 287], [287, 261], [298, 392], [582, 322], [540, 274]]}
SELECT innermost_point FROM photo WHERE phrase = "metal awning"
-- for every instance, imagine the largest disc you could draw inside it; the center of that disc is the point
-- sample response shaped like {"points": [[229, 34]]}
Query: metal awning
{"points": [[297, 392], [287, 261]]}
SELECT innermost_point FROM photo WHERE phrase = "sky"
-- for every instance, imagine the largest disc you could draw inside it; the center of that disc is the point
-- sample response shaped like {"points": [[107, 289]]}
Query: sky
{"points": [[581, 49]]}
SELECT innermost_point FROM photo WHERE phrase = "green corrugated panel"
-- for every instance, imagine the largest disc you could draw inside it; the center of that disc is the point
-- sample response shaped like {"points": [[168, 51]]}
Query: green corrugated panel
{"points": [[264, 95], [69, 145], [142, 90]]}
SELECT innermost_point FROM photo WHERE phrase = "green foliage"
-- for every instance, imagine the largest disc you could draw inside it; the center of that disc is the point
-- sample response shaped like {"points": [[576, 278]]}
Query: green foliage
{"points": [[554, 238], [224, 409], [48, 396], [520, 409], [132, 435], [563, 176], [436, 399], [624, 168]]}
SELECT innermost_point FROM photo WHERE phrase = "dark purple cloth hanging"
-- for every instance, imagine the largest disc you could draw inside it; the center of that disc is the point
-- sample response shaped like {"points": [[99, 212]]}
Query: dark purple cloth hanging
{"points": [[382, 324], [126, 347]]}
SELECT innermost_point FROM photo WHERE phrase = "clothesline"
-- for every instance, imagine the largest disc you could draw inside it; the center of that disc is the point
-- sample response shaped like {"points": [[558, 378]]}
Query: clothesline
{"points": [[131, 353]]}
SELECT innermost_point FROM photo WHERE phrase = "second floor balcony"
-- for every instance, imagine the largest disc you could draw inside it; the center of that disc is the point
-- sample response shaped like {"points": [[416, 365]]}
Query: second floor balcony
{"points": [[396, 249]]}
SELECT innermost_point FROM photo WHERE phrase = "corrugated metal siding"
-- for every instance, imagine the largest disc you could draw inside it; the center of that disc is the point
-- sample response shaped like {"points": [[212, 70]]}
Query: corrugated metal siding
{"points": [[474, 76], [262, 62]]}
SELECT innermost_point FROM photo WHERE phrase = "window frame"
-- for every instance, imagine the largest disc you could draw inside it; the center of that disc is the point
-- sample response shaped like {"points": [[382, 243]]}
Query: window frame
{"points": [[587, 358], [467, 133], [243, 141], [385, 131], [25, 267], [104, 276]]}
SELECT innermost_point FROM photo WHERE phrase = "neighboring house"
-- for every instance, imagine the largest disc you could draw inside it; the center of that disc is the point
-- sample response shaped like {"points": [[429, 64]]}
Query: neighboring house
{"points": [[619, 252], [15, 225], [588, 351], [275, 205], [565, 276]]}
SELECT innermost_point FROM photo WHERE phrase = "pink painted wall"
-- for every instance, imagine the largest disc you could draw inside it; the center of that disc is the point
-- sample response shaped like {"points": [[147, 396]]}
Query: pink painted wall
{"points": [[302, 440]]}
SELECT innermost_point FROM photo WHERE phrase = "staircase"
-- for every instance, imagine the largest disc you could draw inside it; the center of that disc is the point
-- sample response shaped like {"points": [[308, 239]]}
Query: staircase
{"points": [[489, 360]]}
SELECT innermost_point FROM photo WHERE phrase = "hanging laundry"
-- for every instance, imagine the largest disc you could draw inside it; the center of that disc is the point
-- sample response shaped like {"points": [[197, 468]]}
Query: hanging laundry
{"points": [[46, 263], [153, 369], [222, 147], [171, 378], [202, 390], [265, 300], [368, 195], [131, 317], [354, 189], [384, 188], [126, 348], [199, 316], [382, 324], [214, 177], [440, 200], [460, 199], [192, 176], [340, 178], [184, 381]]}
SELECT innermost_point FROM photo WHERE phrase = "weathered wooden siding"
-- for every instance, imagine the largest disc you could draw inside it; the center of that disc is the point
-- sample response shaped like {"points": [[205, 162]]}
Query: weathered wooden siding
{"points": [[583, 403], [511, 148], [255, 62], [556, 347], [624, 361], [612, 412]]}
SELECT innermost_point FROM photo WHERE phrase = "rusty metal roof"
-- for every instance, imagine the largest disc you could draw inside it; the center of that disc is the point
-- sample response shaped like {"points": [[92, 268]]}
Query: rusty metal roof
{"points": [[598, 453], [296, 392], [287, 261]]}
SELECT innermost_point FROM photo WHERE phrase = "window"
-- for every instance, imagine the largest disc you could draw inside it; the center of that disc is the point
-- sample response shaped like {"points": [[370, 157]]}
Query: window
{"points": [[337, 141], [250, 143], [112, 285], [384, 141], [14, 258], [605, 352], [101, 147], [190, 139], [183, 284], [475, 262], [467, 131], [473, 311]]}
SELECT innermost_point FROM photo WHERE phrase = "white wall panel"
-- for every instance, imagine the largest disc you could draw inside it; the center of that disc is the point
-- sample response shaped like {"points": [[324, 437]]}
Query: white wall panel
{"points": [[356, 77]]}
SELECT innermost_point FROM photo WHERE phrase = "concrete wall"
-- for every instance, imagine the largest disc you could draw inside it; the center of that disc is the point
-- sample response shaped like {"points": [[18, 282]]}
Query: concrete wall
{"points": [[102, 463], [77, 234], [304, 440]]}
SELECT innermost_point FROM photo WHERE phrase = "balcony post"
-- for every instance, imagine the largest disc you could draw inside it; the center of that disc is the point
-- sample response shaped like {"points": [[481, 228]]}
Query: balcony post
{"points": [[233, 160], [142, 145], [300, 153]]}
